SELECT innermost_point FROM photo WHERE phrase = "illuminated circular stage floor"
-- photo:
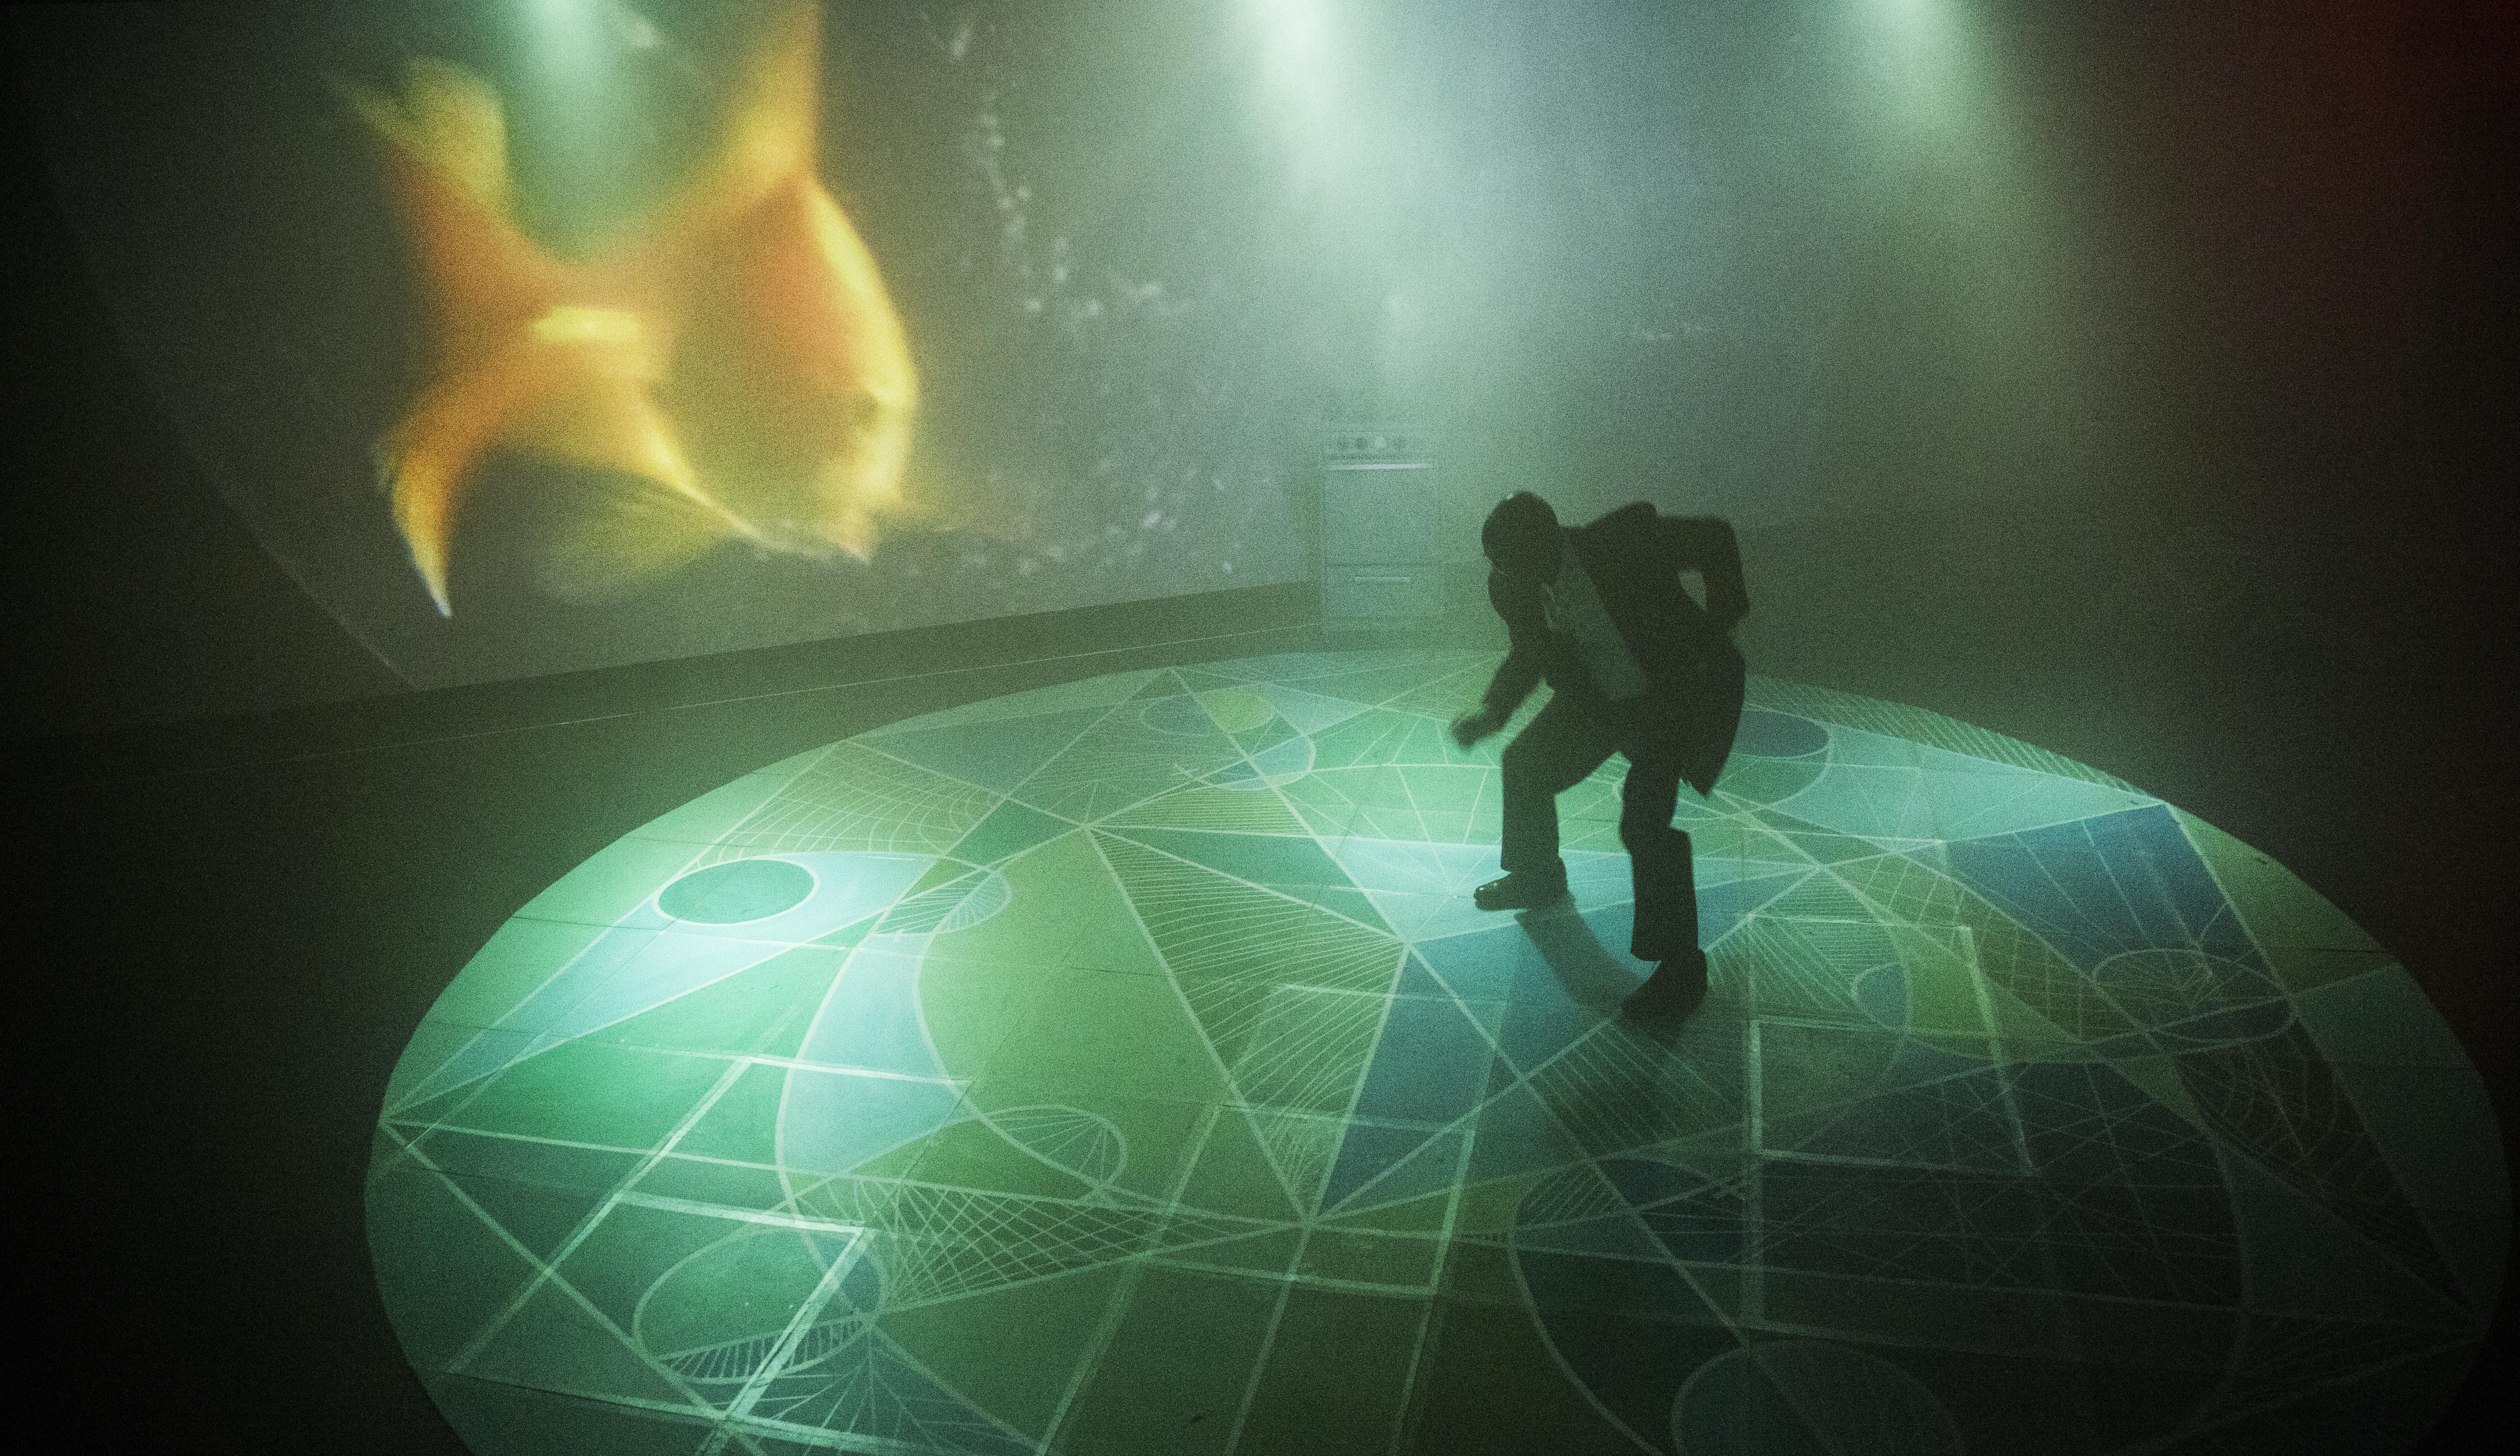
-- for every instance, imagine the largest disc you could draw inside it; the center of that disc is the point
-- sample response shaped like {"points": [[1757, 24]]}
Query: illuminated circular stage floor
{"points": [[1121, 1067]]}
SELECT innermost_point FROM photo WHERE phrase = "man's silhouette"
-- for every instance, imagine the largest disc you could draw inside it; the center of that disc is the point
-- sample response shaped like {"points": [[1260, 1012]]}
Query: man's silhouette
{"points": [[1636, 668]]}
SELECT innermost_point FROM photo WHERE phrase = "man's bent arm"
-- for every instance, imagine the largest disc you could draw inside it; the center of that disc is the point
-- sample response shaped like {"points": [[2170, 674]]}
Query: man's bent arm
{"points": [[1526, 620], [1704, 544]]}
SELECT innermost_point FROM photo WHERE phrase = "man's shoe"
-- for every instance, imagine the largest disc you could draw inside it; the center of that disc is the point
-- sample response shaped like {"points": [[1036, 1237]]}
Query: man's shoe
{"points": [[1520, 890], [1675, 988]]}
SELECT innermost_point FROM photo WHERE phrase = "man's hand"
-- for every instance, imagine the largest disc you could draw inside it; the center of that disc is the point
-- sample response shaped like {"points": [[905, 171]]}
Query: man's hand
{"points": [[1478, 725]]}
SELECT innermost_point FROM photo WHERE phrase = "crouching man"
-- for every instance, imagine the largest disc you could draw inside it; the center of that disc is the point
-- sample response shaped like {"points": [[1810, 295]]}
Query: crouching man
{"points": [[1636, 666]]}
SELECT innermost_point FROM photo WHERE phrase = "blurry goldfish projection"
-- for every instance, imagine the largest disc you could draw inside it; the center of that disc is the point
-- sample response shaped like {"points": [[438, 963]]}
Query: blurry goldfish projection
{"points": [[734, 358]]}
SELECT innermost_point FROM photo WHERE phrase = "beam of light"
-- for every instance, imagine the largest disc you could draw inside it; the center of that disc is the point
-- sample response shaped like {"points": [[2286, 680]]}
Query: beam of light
{"points": [[1958, 174], [738, 355], [1298, 57], [568, 43], [1355, 169], [1926, 69]]}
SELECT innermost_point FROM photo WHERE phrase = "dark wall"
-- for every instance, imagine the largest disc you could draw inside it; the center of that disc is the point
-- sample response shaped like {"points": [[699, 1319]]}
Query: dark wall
{"points": [[2269, 269], [133, 593]]}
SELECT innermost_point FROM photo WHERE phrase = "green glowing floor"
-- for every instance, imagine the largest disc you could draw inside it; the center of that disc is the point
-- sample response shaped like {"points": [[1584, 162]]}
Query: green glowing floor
{"points": [[1121, 1068]]}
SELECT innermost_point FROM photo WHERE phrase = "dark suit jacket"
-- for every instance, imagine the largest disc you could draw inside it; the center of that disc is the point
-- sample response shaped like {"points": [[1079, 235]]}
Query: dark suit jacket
{"points": [[1692, 699]]}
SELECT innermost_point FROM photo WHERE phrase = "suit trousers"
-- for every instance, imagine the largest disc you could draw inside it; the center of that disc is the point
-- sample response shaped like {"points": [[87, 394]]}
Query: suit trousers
{"points": [[1558, 749]]}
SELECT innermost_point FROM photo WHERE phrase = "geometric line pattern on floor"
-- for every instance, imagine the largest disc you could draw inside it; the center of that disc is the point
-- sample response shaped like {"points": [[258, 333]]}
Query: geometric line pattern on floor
{"points": [[1120, 1066]]}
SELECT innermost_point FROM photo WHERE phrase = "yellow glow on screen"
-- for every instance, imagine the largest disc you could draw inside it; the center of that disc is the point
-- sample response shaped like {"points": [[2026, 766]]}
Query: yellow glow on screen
{"points": [[737, 354]]}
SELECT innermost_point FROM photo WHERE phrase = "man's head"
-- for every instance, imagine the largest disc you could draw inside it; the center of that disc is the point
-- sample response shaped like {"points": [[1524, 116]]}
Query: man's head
{"points": [[1521, 537]]}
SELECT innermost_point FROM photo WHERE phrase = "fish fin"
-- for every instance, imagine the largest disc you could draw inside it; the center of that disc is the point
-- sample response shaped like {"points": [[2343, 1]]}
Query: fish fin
{"points": [[444, 149], [443, 144], [450, 119], [622, 534], [430, 458], [768, 138]]}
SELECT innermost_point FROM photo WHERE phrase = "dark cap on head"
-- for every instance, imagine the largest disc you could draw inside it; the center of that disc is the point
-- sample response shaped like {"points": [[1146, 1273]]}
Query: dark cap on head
{"points": [[1520, 538]]}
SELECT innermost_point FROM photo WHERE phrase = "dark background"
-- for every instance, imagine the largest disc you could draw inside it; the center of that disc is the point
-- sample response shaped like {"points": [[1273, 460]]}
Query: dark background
{"points": [[2263, 577]]}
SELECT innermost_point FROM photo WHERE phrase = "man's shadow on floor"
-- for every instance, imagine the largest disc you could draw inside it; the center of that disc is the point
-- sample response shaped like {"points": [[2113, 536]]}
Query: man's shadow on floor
{"points": [[1652, 1076], [1603, 983]]}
